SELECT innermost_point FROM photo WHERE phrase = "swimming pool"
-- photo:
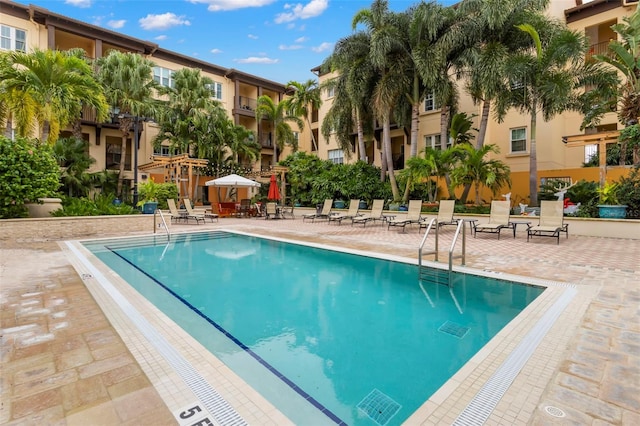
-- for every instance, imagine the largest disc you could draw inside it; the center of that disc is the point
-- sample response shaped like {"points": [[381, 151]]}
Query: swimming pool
{"points": [[355, 336]]}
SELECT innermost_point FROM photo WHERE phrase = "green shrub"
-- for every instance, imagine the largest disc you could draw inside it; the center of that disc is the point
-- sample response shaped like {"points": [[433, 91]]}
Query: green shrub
{"points": [[28, 171], [629, 192], [102, 205]]}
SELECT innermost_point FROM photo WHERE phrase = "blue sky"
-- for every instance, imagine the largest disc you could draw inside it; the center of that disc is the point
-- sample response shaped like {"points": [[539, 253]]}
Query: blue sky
{"points": [[276, 40]]}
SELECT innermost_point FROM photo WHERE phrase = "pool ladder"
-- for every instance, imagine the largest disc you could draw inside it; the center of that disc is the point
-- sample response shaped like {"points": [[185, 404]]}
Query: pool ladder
{"points": [[432, 274], [163, 223]]}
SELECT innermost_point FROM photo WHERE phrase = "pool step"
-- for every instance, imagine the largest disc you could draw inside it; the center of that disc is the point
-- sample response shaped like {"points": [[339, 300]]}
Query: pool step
{"points": [[433, 275]]}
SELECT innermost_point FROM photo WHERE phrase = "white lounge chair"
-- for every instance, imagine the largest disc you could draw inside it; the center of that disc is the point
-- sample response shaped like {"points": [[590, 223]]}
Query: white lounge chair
{"points": [[354, 206], [376, 214], [498, 219], [412, 216], [324, 213], [191, 214], [551, 221]]}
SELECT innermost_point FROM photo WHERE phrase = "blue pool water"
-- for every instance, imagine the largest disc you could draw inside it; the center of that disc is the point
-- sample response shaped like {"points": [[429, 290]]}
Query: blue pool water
{"points": [[325, 336]]}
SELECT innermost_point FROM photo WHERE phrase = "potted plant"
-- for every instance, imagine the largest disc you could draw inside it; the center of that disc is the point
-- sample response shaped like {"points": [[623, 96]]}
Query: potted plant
{"points": [[149, 191], [610, 206]]}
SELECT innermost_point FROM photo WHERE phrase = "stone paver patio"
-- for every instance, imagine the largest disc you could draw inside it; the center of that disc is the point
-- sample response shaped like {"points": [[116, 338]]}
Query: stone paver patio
{"points": [[64, 362]]}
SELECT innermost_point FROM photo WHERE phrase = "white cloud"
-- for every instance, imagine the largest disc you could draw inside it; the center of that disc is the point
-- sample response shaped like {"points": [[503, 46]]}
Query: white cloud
{"points": [[162, 22], [302, 39], [252, 36], [161, 37], [119, 23], [323, 47], [79, 3], [220, 5], [290, 47], [257, 60], [215, 51], [298, 11]]}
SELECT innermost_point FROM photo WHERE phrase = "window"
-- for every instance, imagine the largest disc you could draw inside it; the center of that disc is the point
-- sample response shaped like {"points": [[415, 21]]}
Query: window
{"points": [[163, 76], [114, 153], [12, 38], [163, 151], [519, 140], [216, 89], [432, 141], [331, 92], [296, 136], [430, 103], [589, 152], [336, 156]]}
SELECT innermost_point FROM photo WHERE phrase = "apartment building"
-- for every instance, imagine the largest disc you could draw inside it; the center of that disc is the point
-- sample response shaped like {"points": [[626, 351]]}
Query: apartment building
{"points": [[556, 158], [28, 27]]}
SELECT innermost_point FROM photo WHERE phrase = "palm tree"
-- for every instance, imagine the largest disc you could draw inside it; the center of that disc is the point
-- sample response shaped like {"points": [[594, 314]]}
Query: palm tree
{"points": [[495, 37], [549, 79], [279, 115], [624, 56], [306, 95], [129, 87], [72, 157], [476, 170], [48, 87], [388, 59], [189, 99], [353, 89]]}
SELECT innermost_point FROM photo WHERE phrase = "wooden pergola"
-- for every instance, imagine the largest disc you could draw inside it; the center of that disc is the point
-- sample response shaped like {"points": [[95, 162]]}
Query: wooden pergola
{"points": [[273, 170], [177, 169], [600, 139]]}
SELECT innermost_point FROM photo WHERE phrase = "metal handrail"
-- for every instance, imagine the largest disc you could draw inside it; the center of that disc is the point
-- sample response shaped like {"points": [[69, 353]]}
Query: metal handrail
{"points": [[424, 240], [461, 226], [164, 223]]}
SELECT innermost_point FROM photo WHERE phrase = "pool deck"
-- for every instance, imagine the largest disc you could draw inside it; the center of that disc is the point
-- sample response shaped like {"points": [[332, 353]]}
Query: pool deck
{"points": [[67, 358]]}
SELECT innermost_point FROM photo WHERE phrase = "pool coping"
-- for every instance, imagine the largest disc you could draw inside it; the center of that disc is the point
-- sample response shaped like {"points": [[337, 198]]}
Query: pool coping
{"points": [[442, 407]]}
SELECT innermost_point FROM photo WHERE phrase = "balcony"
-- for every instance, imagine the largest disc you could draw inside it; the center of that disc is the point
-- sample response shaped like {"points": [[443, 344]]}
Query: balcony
{"points": [[265, 140], [246, 104], [601, 48]]}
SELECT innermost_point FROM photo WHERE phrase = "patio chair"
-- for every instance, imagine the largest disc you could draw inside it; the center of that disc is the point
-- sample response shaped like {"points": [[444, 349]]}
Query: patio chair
{"points": [[551, 222], [445, 215], [354, 205], [191, 214], [245, 208], [412, 216], [175, 214], [498, 219], [324, 213], [376, 214], [271, 211]]}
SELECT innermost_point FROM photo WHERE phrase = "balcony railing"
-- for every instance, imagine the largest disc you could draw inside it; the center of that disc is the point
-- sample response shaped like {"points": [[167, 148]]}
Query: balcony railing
{"points": [[249, 104], [601, 48]]}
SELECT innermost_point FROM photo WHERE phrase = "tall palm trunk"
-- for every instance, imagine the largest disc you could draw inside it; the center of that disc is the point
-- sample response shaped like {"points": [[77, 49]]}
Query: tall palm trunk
{"points": [[386, 139], [533, 158], [361, 147]]}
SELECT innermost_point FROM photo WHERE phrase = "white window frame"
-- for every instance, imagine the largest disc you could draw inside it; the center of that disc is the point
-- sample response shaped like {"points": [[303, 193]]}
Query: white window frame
{"points": [[432, 141], [160, 74], [590, 151], [13, 38], [336, 156], [216, 90], [430, 102], [519, 140], [331, 92]]}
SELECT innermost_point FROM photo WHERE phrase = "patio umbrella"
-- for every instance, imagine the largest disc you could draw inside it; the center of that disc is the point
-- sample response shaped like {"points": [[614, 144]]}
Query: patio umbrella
{"points": [[274, 192], [233, 181]]}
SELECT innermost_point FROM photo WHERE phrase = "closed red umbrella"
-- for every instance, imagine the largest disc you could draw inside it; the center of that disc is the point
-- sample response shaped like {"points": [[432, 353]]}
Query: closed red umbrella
{"points": [[274, 192]]}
